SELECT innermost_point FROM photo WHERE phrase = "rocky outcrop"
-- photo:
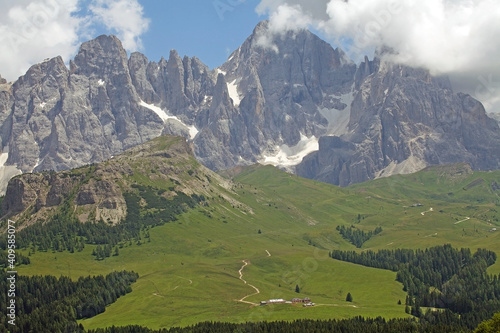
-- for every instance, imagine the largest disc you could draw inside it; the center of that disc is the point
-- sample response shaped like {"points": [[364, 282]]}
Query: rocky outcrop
{"points": [[97, 192]]}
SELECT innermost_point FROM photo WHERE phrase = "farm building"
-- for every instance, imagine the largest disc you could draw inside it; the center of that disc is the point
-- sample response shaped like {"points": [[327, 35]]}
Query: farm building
{"points": [[300, 300], [305, 300]]}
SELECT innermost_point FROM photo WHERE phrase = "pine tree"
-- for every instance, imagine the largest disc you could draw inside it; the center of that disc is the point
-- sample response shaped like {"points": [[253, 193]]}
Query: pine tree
{"points": [[297, 289], [348, 297]]}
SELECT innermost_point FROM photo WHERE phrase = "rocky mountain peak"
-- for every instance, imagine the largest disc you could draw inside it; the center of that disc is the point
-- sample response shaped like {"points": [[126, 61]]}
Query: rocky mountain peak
{"points": [[103, 55], [50, 68]]}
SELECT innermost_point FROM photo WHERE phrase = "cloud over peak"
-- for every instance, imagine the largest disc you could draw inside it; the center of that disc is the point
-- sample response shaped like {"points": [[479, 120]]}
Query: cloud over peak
{"points": [[455, 37], [284, 19], [31, 30], [125, 17]]}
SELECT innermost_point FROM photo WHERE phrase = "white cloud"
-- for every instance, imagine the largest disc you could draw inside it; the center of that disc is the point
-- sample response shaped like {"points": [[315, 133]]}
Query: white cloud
{"points": [[31, 30], [287, 18], [316, 8], [125, 17], [284, 18], [442, 35], [455, 37]]}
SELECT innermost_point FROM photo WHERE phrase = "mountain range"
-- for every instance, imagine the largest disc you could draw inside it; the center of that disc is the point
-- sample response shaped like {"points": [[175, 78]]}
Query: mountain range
{"points": [[286, 99]]}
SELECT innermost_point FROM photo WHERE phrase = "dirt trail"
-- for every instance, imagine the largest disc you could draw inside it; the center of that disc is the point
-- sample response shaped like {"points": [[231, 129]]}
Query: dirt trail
{"points": [[466, 219], [427, 211], [257, 291]]}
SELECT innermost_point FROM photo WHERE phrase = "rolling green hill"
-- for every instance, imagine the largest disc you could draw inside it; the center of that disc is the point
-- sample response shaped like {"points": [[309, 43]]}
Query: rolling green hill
{"points": [[252, 237]]}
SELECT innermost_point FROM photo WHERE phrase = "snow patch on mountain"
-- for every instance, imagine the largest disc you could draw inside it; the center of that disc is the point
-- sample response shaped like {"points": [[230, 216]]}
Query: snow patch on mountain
{"points": [[165, 117], [286, 156], [6, 171], [3, 159], [232, 88], [37, 164]]}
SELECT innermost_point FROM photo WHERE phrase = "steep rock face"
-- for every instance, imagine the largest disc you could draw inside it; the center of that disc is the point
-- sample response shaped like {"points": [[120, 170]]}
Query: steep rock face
{"points": [[286, 93], [403, 119], [224, 137], [184, 87], [62, 118]]}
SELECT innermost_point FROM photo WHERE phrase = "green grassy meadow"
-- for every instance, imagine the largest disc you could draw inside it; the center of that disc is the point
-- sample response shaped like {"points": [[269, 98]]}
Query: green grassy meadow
{"points": [[189, 270]]}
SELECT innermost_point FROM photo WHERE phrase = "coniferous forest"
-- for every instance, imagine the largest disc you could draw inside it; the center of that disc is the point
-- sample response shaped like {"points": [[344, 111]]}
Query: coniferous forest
{"points": [[440, 277], [355, 236], [50, 304], [352, 325]]}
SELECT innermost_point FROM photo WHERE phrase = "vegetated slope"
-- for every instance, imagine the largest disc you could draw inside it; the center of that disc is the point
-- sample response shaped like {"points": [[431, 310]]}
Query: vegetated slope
{"points": [[98, 193], [451, 183], [297, 219], [188, 269], [438, 205]]}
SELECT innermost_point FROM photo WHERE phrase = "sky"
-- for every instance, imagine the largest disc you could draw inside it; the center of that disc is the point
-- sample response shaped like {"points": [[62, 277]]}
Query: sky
{"points": [[458, 38]]}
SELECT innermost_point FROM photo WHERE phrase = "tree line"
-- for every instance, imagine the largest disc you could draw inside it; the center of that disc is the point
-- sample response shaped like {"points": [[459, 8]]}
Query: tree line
{"points": [[356, 236], [351, 325], [439, 277], [49, 304]]}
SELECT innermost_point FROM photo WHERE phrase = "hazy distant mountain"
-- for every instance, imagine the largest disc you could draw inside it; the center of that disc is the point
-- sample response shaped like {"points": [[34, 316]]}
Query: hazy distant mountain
{"points": [[290, 100]]}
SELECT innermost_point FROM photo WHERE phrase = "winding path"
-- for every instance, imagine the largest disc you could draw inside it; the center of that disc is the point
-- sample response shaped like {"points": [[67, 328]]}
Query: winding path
{"points": [[257, 291]]}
